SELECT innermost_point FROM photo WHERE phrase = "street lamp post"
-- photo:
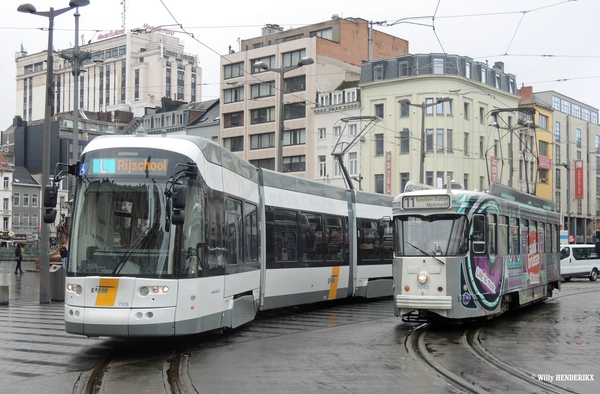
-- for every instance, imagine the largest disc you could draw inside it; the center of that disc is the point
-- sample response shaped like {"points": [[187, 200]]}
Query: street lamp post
{"points": [[305, 61], [423, 107], [76, 58], [44, 256], [568, 168]]}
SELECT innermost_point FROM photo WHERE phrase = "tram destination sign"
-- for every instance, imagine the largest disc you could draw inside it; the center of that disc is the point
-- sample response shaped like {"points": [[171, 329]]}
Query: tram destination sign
{"points": [[426, 202]]}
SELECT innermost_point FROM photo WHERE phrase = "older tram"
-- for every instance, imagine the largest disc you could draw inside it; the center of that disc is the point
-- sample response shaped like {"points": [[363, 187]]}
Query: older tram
{"points": [[466, 255]]}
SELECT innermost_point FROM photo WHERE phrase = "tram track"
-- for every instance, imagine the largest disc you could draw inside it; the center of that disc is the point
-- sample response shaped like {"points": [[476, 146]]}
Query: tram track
{"points": [[163, 364], [473, 368]]}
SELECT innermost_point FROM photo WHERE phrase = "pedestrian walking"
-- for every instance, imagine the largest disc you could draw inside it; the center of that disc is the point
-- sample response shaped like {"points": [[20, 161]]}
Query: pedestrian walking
{"points": [[64, 255], [18, 258]]}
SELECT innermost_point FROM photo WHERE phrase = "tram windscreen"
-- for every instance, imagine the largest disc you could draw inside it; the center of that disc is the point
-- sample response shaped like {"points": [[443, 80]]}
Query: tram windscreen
{"points": [[418, 235], [119, 229]]}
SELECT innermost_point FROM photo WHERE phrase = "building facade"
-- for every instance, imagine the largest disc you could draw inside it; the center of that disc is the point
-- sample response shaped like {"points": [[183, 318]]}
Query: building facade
{"points": [[251, 109], [576, 163], [437, 123], [126, 72]]}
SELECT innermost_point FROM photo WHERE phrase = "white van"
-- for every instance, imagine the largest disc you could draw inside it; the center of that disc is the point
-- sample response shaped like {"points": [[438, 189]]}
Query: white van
{"points": [[579, 261]]}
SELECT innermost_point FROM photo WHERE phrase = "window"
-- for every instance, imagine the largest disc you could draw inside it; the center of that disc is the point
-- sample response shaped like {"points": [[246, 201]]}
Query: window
{"points": [[566, 107], [449, 107], [439, 108], [481, 147], [449, 140], [234, 144], [498, 81], [269, 61], [322, 133], [466, 110], [404, 178], [429, 140], [556, 131], [404, 142], [337, 171], [233, 70], [352, 130], [337, 98], [379, 110], [294, 137], [578, 137], [544, 175], [16, 220], [25, 199], [269, 164], [234, 231], [543, 148], [378, 144], [429, 178], [292, 58], [556, 103], [483, 75], [481, 115], [262, 115], [439, 140], [429, 106], [353, 162], [294, 163], [404, 110], [597, 143], [378, 72], [295, 84], [468, 69], [295, 111], [6, 182], [234, 95], [337, 131], [323, 99], [5, 204], [557, 179], [325, 33], [438, 66], [322, 167], [351, 95], [264, 89], [466, 181], [557, 154], [511, 86], [260, 141], [379, 183], [403, 69], [543, 122], [233, 119], [17, 199]]}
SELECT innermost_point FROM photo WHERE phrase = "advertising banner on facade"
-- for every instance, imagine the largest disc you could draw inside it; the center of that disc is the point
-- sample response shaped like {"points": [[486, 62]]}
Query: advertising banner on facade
{"points": [[388, 172], [495, 169], [579, 179]]}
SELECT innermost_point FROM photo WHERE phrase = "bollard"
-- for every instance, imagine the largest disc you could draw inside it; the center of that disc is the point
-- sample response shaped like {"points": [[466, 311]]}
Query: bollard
{"points": [[3, 294]]}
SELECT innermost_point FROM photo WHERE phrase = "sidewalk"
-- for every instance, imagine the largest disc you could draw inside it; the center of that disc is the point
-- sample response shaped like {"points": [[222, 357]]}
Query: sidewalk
{"points": [[38, 355]]}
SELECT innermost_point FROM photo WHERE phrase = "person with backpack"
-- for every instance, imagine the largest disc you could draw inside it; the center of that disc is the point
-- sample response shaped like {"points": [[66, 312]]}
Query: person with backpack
{"points": [[18, 258]]}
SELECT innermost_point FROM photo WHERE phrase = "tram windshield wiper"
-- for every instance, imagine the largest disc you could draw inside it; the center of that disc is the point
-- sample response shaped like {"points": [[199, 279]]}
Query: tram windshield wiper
{"points": [[425, 253], [129, 251]]}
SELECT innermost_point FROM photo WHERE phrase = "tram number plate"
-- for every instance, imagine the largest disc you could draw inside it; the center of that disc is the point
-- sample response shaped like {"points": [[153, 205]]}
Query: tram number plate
{"points": [[121, 303], [422, 287]]}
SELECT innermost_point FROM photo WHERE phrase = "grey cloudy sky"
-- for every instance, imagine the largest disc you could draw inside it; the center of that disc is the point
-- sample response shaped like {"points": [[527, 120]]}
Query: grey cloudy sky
{"points": [[548, 44]]}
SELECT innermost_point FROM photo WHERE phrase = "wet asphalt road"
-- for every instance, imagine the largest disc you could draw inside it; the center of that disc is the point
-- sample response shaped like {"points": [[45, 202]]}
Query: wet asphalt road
{"points": [[346, 348]]}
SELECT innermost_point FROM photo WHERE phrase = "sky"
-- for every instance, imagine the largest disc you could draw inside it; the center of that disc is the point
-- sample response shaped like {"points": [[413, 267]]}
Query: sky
{"points": [[547, 44]]}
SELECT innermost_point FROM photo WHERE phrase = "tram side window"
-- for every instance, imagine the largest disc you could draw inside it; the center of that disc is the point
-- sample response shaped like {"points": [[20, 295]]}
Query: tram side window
{"points": [[541, 246], [503, 235], [369, 240], [234, 231], [492, 232], [478, 234], [514, 244], [548, 239], [335, 238], [312, 237], [286, 235], [251, 236]]}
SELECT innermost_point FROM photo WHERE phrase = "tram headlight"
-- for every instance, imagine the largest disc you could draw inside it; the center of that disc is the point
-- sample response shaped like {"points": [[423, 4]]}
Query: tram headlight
{"points": [[160, 289], [74, 288], [144, 291], [422, 277]]}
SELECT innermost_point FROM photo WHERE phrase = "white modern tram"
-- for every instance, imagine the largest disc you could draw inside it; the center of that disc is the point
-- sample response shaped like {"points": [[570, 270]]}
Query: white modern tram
{"points": [[176, 235], [467, 255]]}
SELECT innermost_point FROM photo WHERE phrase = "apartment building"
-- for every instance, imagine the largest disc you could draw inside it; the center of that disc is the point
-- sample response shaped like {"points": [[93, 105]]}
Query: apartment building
{"points": [[257, 102], [442, 117], [125, 71], [576, 163]]}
